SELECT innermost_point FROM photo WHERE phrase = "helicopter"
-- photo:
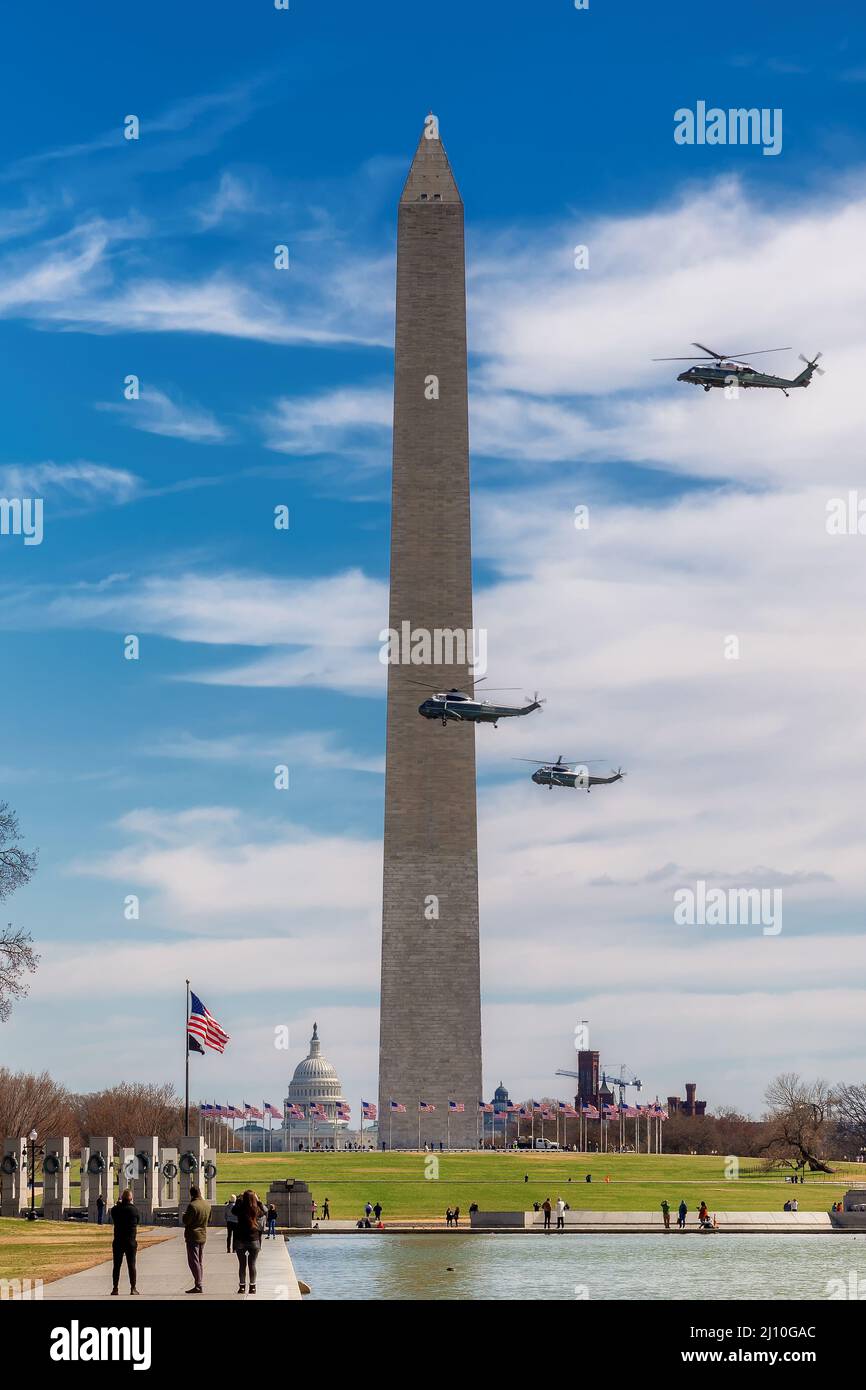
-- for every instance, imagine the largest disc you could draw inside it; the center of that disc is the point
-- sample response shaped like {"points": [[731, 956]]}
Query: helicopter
{"points": [[721, 369], [461, 708], [575, 775]]}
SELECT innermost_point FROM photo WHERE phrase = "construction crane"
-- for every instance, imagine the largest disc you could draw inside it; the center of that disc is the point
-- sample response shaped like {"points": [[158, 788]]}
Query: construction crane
{"points": [[625, 1078]]}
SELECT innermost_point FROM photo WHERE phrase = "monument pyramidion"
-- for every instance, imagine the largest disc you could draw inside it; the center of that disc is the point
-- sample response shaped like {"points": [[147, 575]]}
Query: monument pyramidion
{"points": [[430, 1036]]}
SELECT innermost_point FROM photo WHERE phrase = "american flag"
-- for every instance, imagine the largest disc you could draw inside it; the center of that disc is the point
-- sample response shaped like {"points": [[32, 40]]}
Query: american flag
{"points": [[343, 1111], [397, 1108], [525, 1111], [514, 1109], [568, 1110], [369, 1109], [318, 1112], [485, 1107], [456, 1107], [273, 1111], [536, 1105], [611, 1112], [218, 1109], [295, 1112], [252, 1111], [425, 1107], [590, 1112], [205, 1027]]}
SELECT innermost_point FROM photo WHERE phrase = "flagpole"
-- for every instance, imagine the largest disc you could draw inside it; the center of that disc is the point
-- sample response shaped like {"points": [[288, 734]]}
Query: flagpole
{"points": [[186, 1064]]}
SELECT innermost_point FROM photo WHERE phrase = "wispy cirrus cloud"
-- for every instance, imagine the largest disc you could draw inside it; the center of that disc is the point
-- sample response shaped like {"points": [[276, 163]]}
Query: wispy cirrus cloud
{"points": [[82, 481], [311, 749], [156, 413]]}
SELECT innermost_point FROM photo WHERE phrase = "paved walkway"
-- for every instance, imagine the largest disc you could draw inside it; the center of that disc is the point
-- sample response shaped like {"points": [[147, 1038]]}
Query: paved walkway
{"points": [[163, 1273]]}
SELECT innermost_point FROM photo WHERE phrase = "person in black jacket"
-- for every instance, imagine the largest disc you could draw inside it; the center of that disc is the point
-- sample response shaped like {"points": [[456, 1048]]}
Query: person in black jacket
{"points": [[248, 1237], [124, 1242]]}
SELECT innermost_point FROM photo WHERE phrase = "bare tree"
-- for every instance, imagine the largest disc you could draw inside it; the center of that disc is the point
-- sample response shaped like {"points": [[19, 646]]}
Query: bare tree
{"points": [[17, 957], [850, 1102], [799, 1123], [34, 1102], [130, 1110]]}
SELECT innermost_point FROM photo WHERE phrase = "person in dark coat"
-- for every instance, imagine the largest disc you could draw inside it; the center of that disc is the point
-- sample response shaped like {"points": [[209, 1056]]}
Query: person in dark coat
{"points": [[124, 1242], [248, 1237], [195, 1220], [100, 1209]]}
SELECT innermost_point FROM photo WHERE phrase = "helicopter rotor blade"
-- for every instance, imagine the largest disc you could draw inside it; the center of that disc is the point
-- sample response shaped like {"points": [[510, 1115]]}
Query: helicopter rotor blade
{"points": [[709, 351], [548, 762], [758, 352]]}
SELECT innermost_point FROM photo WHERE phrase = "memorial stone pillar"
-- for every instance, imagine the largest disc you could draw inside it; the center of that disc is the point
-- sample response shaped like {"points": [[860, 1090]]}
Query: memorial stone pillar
{"points": [[13, 1166], [99, 1170], [55, 1178], [168, 1178], [145, 1187]]}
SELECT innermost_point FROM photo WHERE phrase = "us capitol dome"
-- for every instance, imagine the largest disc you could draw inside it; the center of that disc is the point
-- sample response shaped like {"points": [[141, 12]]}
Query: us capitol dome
{"points": [[315, 1082]]}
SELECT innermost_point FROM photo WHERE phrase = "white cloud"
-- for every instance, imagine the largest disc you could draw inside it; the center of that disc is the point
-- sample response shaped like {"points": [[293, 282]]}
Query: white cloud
{"points": [[156, 413], [309, 749], [85, 482]]}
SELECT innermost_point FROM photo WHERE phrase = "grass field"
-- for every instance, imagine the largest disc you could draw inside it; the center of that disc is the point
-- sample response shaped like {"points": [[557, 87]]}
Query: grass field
{"points": [[638, 1182], [47, 1250]]}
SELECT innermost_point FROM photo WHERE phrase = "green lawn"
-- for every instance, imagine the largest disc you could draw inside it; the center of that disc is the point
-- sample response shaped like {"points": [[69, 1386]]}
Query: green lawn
{"points": [[495, 1181], [47, 1250]]}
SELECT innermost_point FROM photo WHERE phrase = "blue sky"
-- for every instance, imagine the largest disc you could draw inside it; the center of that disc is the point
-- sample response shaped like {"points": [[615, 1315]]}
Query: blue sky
{"points": [[261, 387]]}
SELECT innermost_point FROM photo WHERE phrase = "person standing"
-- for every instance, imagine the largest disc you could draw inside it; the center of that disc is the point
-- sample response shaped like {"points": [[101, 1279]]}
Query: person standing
{"points": [[560, 1214], [124, 1242], [195, 1220], [682, 1213], [449, 1216], [100, 1209], [666, 1214], [248, 1240], [547, 1209], [377, 1212], [231, 1222], [326, 1209], [368, 1210], [456, 1216], [272, 1219]]}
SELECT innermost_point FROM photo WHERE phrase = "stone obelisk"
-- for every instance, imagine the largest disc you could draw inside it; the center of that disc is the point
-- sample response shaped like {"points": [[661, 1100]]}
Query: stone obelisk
{"points": [[430, 1038]]}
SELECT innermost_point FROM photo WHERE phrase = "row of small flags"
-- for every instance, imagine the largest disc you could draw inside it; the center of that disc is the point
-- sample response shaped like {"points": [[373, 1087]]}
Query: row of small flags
{"points": [[589, 1112], [293, 1112]]}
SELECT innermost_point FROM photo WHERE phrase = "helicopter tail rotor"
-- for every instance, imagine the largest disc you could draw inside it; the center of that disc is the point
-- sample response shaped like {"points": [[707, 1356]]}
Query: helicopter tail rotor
{"points": [[813, 363]]}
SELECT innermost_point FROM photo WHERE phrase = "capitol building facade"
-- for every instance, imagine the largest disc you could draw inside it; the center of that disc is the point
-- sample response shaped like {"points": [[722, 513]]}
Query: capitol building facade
{"points": [[315, 1083]]}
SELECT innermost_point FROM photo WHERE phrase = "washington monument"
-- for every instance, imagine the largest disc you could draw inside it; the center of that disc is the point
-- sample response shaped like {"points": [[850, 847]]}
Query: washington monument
{"points": [[430, 1038]]}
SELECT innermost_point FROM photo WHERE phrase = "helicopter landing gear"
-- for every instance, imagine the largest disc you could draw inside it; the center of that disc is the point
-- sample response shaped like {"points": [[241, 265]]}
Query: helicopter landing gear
{"points": [[707, 387]]}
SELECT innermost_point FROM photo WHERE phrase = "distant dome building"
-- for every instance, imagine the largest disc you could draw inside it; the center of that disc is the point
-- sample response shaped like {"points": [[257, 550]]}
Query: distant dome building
{"points": [[500, 1099], [315, 1082]]}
